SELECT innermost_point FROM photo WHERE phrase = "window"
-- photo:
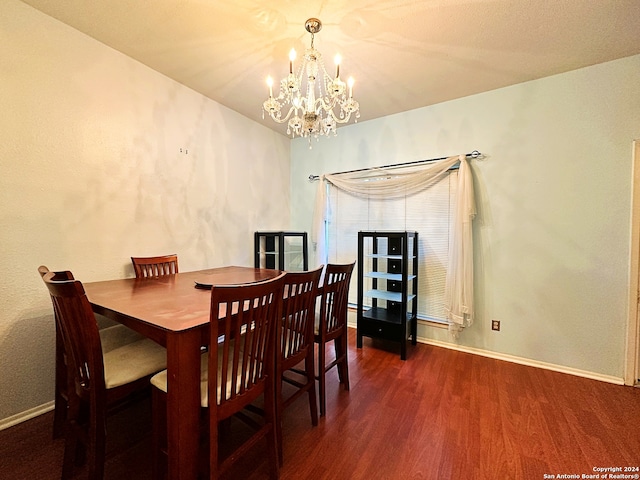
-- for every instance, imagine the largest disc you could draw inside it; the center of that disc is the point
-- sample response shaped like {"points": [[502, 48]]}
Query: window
{"points": [[429, 212]]}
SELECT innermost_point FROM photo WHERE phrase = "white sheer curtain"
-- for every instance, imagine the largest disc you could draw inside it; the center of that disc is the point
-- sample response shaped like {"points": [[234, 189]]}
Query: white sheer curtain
{"points": [[395, 182]]}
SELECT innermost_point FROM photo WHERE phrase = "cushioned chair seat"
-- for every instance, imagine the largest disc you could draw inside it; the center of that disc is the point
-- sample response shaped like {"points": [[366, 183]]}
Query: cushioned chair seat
{"points": [[115, 336], [159, 380], [133, 361]]}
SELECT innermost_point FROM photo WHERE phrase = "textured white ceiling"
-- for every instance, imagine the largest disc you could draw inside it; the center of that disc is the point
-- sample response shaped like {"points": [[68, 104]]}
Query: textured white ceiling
{"points": [[404, 54]]}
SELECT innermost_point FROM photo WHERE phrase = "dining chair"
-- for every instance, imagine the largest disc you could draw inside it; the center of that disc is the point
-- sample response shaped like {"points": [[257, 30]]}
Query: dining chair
{"points": [[296, 344], [111, 338], [239, 367], [331, 324], [60, 392], [96, 382], [155, 266]]}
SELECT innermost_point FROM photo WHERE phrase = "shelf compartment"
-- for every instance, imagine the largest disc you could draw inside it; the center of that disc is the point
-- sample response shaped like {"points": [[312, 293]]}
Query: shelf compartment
{"points": [[384, 324], [387, 276], [384, 315], [386, 295]]}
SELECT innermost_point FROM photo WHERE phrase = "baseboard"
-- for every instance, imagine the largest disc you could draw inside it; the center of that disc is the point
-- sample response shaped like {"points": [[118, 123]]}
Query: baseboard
{"points": [[26, 415], [525, 361], [519, 360]]}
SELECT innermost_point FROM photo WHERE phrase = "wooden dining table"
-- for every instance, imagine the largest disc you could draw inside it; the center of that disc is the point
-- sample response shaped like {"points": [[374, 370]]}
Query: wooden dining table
{"points": [[174, 311]]}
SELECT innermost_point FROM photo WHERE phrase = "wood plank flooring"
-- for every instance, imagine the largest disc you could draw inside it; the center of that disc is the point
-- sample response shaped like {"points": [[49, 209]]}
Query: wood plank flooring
{"points": [[440, 414]]}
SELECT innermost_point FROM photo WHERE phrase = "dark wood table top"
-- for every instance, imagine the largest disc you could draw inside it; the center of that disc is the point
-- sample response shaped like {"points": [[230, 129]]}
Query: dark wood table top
{"points": [[171, 302]]}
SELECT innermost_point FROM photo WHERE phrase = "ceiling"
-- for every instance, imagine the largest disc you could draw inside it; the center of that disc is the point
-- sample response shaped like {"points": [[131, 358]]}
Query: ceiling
{"points": [[403, 54]]}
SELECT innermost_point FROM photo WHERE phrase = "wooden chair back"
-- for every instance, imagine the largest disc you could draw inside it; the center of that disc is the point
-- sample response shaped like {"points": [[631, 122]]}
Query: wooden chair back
{"points": [[242, 361], [335, 299], [298, 311], [61, 397], [77, 326], [85, 386], [57, 276], [145, 267]]}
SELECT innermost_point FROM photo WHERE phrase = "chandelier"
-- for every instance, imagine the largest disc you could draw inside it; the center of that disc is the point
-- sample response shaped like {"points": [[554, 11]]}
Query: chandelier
{"points": [[327, 100]]}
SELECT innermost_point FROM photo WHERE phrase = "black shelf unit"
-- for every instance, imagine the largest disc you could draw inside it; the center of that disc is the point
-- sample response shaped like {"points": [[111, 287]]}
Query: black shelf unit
{"points": [[281, 250], [388, 278]]}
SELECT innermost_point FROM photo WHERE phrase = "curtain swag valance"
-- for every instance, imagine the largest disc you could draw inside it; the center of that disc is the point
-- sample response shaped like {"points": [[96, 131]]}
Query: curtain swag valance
{"points": [[401, 181]]}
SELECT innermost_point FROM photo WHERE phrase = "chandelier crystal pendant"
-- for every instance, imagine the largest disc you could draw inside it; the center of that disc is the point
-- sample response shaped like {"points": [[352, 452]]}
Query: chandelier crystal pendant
{"points": [[326, 102]]}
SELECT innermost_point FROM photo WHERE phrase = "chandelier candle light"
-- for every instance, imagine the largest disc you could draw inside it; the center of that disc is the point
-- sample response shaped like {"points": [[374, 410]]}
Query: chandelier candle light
{"points": [[315, 113]]}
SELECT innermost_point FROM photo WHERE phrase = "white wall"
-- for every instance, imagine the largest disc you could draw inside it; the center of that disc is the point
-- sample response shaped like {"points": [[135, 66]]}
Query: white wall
{"points": [[554, 193], [91, 173]]}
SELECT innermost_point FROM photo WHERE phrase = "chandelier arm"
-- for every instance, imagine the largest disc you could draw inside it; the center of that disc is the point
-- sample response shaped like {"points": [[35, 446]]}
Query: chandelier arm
{"points": [[327, 107], [281, 119], [338, 119]]}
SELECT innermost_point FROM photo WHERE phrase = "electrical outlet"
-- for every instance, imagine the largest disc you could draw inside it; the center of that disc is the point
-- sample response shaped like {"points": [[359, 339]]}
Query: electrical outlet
{"points": [[495, 325]]}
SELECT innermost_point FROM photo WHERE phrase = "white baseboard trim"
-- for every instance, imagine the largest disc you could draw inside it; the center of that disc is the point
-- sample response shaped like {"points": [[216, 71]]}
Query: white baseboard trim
{"points": [[525, 361], [519, 360], [26, 415]]}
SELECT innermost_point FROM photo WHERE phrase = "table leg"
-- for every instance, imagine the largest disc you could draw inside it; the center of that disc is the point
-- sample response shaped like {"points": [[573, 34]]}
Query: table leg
{"points": [[183, 403]]}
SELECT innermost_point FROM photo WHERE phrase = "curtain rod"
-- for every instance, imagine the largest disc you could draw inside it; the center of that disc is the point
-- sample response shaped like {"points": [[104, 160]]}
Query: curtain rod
{"points": [[474, 154]]}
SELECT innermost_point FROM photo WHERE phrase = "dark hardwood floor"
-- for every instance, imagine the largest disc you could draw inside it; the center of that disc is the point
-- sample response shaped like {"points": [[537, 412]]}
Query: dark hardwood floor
{"points": [[440, 414]]}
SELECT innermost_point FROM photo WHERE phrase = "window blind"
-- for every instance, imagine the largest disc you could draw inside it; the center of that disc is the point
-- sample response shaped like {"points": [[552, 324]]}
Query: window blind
{"points": [[429, 212]]}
